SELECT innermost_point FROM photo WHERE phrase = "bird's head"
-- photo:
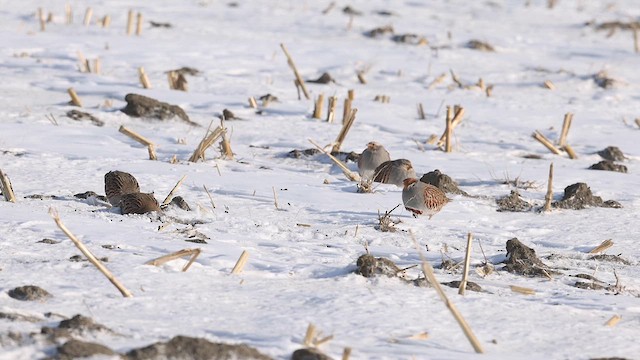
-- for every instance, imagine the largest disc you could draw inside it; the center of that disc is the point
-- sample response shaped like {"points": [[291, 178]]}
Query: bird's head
{"points": [[408, 182]]}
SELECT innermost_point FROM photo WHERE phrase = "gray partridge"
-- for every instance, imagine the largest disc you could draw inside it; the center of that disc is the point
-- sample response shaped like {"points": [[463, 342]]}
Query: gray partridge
{"points": [[138, 203], [421, 198], [374, 155], [118, 183], [394, 172]]}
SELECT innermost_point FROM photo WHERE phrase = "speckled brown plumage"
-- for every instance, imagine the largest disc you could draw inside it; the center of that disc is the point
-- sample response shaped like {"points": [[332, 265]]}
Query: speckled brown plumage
{"points": [[394, 172], [117, 184], [421, 198], [138, 203]]}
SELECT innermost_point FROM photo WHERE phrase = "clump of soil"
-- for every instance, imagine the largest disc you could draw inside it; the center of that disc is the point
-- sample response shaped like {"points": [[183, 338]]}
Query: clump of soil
{"points": [[82, 324], [578, 196], [522, 260], [480, 45], [370, 266], [608, 165], [603, 80], [29, 293], [146, 107], [610, 258], [379, 31], [80, 116], [74, 349], [471, 286], [228, 115], [19, 317], [90, 194], [48, 241], [612, 153], [513, 202], [442, 182], [185, 347], [411, 39], [309, 354], [303, 153], [325, 78]]}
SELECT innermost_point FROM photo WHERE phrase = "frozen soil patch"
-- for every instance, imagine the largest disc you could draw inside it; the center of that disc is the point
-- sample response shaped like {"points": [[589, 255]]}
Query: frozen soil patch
{"points": [[608, 165], [29, 293], [74, 349], [579, 196], [612, 153], [513, 203], [146, 107], [184, 347], [522, 260], [309, 354]]}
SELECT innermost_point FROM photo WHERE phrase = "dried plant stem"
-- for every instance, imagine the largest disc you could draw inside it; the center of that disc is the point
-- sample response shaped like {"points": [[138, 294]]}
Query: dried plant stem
{"points": [[456, 79], [309, 335], [87, 16], [448, 130], [317, 110], [549, 196], [194, 253], [82, 62], [226, 146], [421, 114], [351, 94], [348, 173], [7, 189], [130, 23], [346, 126], [522, 290], [89, 255], [106, 21], [242, 260], [252, 103], [275, 197], [68, 13], [346, 111], [142, 140], [96, 66], [75, 100], [428, 272], [566, 124], [167, 200], [613, 321], [208, 140], [213, 205], [637, 121], [299, 80], [331, 108], [42, 20], [549, 85], [144, 79], [546, 142], [457, 119], [602, 247], [570, 152], [467, 260], [139, 24], [437, 81], [346, 353], [636, 41]]}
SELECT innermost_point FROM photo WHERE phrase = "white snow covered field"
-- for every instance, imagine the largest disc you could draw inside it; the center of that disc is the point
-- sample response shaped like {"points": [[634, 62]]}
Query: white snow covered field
{"points": [[303, 243]]}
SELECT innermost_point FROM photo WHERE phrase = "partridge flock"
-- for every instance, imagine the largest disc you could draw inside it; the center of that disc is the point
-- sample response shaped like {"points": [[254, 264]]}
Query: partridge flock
{"points": [[123, 191], [419, 198]]}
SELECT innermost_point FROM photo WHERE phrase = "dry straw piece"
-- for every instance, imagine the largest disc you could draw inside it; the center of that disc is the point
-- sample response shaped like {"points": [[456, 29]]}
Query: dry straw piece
{"points": [[106, 21], [130, 23], [7, 189], [522, 290], [142, 140], [167, 200], [569, 150], [437, 81], [566, 124], [144, 79], [87, 16], [139, 24], [299, 80], [68, 14], [242, 260], [331, 108], [75, 100], [549, 195], [42, 20], [317, 110], [615, 319], [421, 114], [448, 130], [209, 138], [193, 253], [89, 255], [275, 197], [467, 260], [428, 272], [602, 247], [348, 173], [346, 126], [546, 142], [346, 353], [458, 112], [252, 103], [346, 110], [549, 85]]}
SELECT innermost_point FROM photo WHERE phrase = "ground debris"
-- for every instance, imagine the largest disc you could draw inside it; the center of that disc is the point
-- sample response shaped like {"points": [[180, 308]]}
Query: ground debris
{"points": [[74, 349], [411, 39], [610, 258], [618, 25], [442, 182], [612, 153], [325, 78], [603, 80], [609, 165], [309, 354], [379, 31], [185, 347], [370, 266], [522, 260], [578, 196], [19, 317], [297, 154], [80, 116], [146, 107], [513, 203], [180, 203], [471, 286], [90, 194], [29, 293], [480, 45]]}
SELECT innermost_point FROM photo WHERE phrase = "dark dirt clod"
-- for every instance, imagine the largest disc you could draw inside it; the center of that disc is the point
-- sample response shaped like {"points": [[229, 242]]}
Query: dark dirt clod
{"points": [[578, 196], [480, 45], [49, 241], [300, 153], [156, 24], [610, 258], [89, 194], [184, 347], [612, 153], [589, 285], [608, 165], [180, 202], [603, 80], [228, 115], [370, 266], [79, 116], [325, 78], [309, 354], [471, 286], [185, 70], [379, 31], [351, 11], [522, 260], [513, 202], [146, 107], [74, 349], [29, 293], [19, 317], [443, 182], [412, 39], [82, 324]]}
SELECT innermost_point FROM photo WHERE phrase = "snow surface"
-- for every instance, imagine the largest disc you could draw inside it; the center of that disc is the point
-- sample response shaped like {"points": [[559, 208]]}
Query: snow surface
{"points": [[298, 275]]}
